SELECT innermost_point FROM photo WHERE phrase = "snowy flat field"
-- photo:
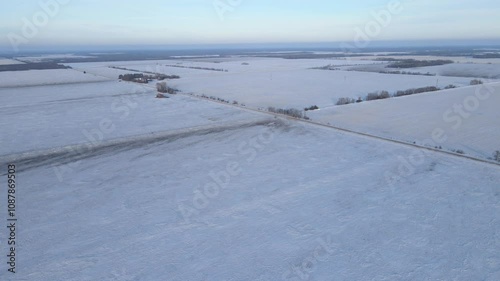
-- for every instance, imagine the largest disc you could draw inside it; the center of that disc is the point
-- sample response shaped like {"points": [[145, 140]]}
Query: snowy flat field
{"points": [[5, 61], [475, 129], [232, 64], [295, 202], [42, 58], [114, 184], [276, 82], [47, 117], [489, 71], [472, 70], [100, 69], [455, 59], [12, 79]]}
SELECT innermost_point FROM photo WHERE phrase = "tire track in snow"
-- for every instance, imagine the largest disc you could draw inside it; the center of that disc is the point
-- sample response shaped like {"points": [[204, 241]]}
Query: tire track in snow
{"points": [[73, 153]]}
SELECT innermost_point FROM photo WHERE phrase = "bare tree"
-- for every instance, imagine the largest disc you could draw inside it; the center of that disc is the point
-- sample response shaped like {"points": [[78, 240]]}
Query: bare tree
{"points": [[476, 82], [344, 101], [162, 87], [496, 156]]}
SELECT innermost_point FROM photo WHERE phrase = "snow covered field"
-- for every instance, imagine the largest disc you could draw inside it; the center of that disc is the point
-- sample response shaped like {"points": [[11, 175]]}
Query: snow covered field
{"points": [[42, 58], [489, 71], [456, 59], [12, 79], [275, 201], [464, 119], [47, 117], [471, 70], [114, 184], [4, 61], [276, 82]]}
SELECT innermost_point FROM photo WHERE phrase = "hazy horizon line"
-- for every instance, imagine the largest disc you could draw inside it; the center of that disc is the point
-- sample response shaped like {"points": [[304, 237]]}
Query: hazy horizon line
{"points": [[394, 44]]}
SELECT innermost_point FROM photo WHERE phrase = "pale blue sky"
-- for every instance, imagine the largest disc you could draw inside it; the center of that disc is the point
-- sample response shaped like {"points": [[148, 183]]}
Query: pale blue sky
{"points": [[114, 22]]}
